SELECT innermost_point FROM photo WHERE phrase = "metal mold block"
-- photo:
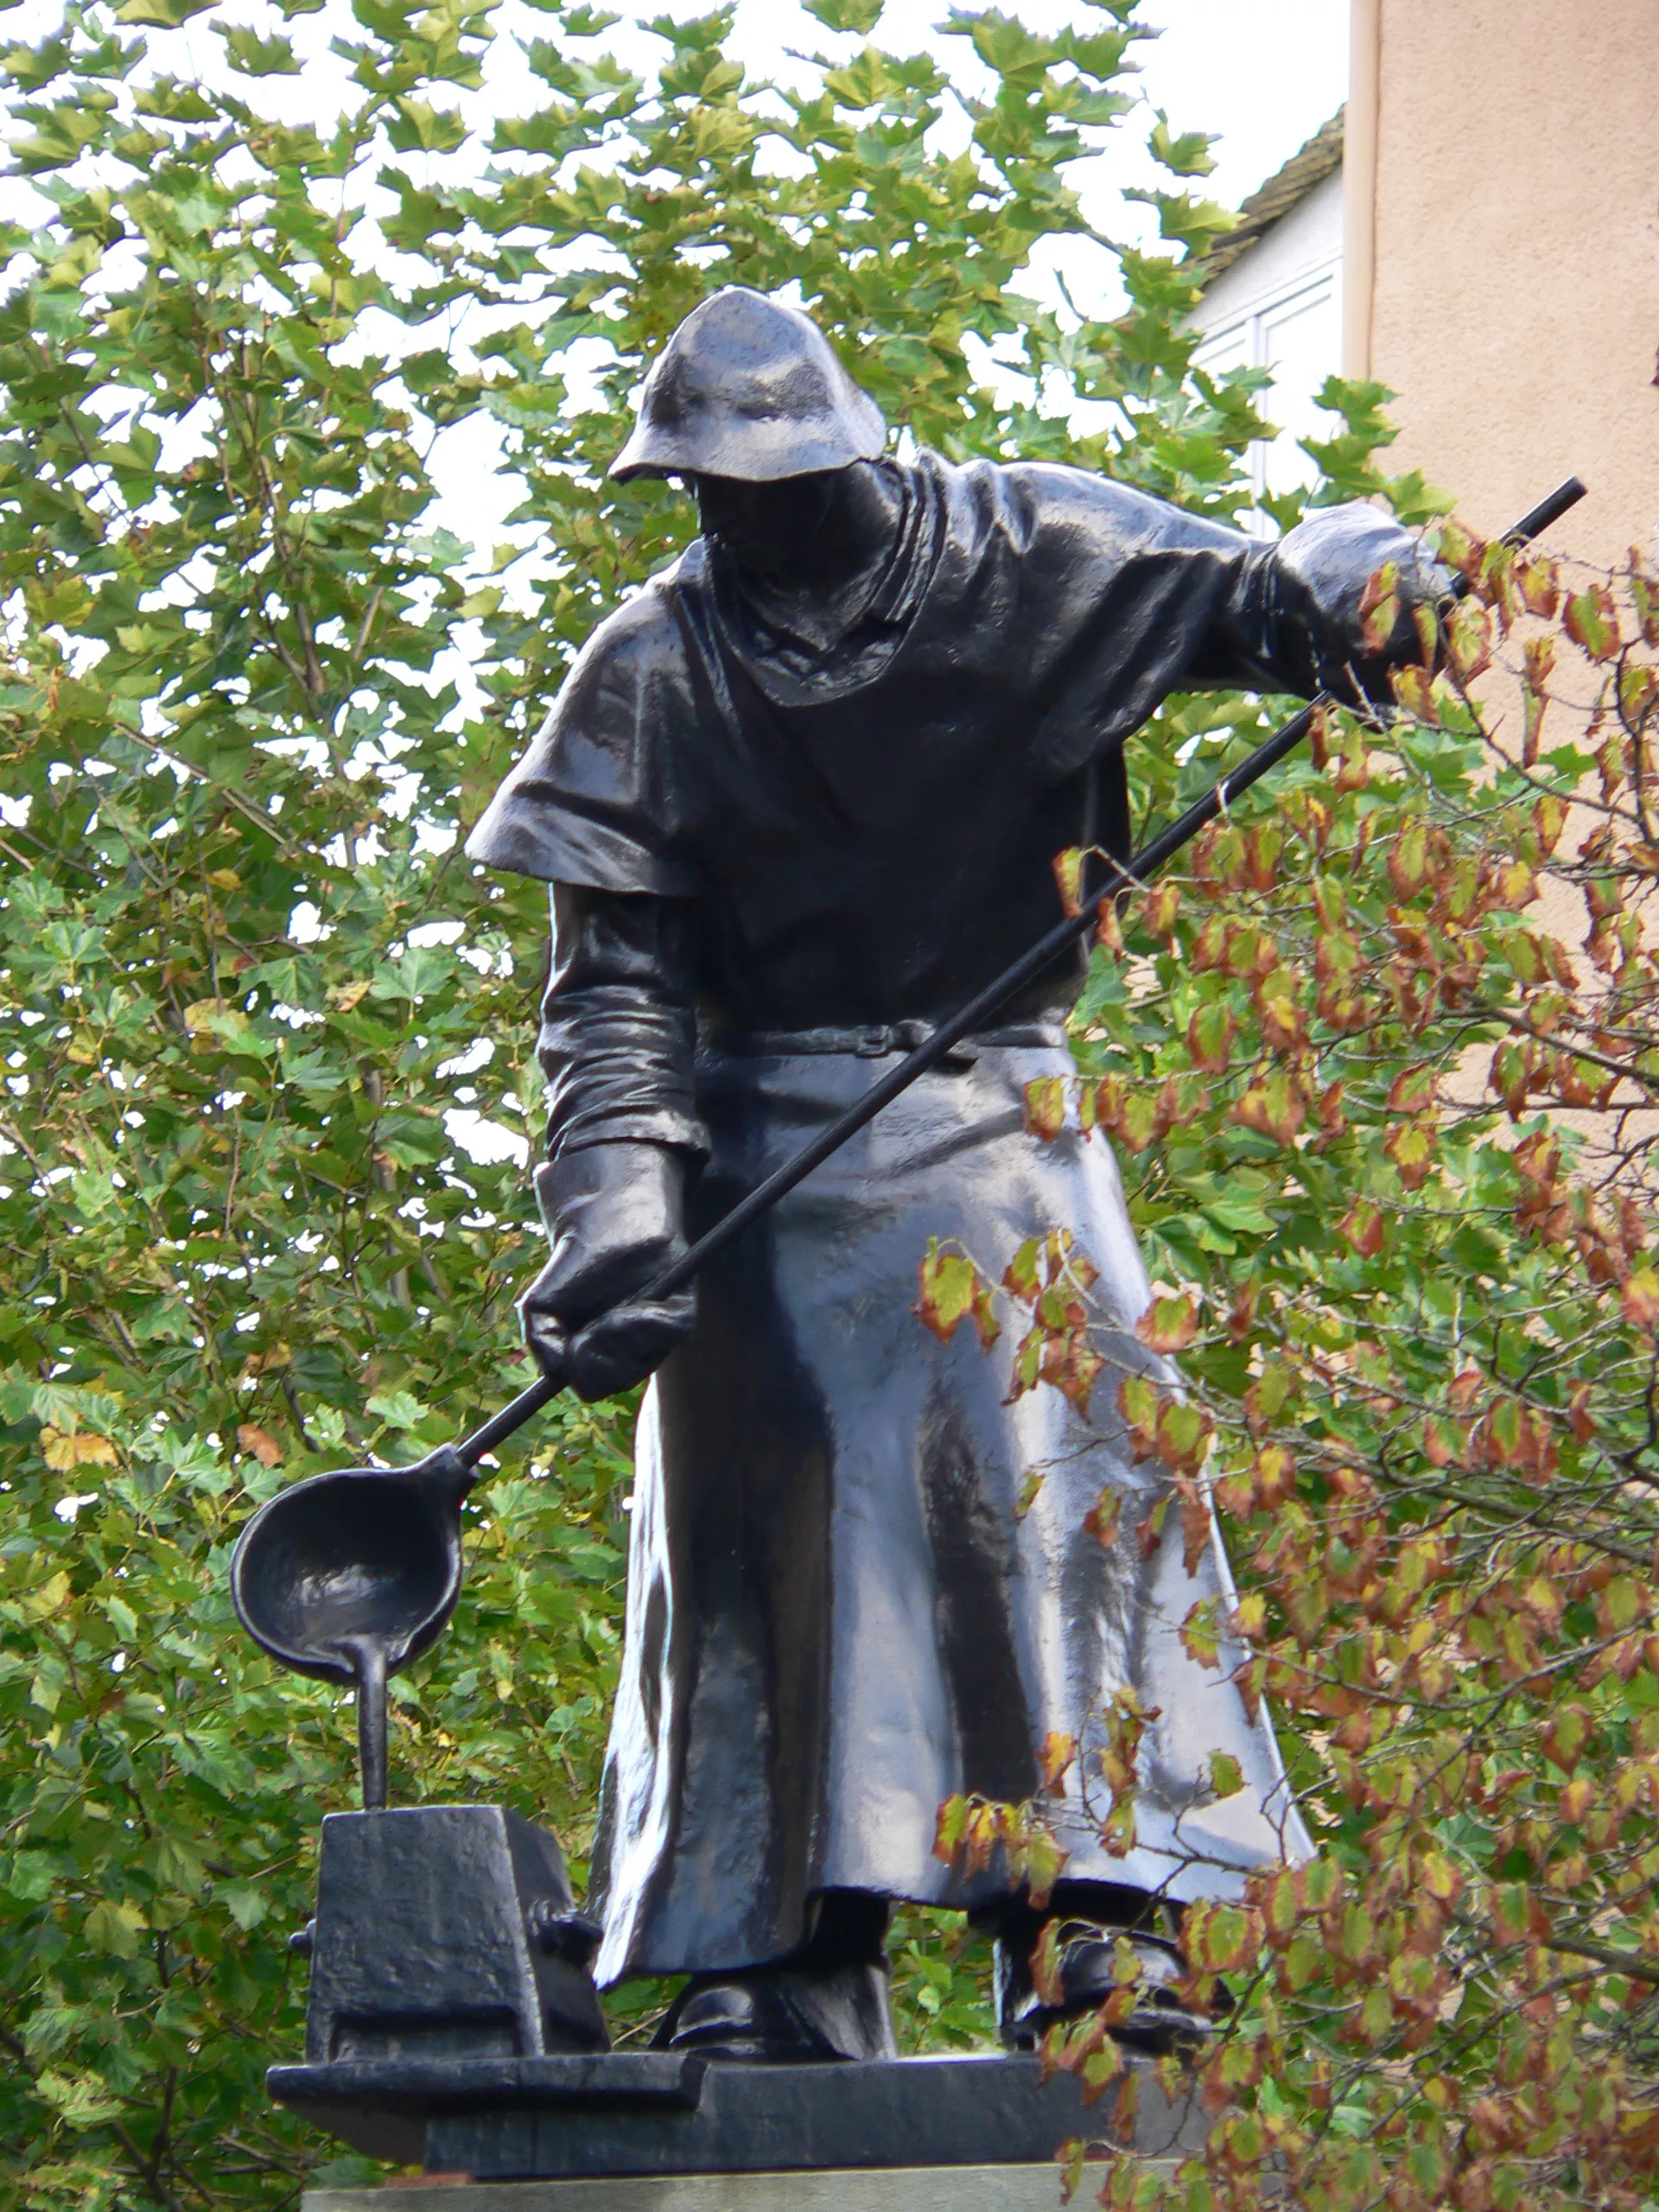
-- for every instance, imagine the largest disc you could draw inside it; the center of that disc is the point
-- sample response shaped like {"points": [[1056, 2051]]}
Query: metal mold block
{"points": [[446, 1931]]}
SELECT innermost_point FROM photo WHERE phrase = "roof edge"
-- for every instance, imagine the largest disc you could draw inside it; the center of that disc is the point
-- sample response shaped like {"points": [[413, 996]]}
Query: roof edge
{"points": [[1270, 202]]}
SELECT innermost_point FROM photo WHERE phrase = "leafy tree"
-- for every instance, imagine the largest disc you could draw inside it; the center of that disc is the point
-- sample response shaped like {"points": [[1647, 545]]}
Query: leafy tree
{"points": [[1417, 1318], [249, 985]]}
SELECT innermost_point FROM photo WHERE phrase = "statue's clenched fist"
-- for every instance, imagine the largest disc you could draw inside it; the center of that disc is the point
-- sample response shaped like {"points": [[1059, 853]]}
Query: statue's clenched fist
{"points": [[614, 1215]]}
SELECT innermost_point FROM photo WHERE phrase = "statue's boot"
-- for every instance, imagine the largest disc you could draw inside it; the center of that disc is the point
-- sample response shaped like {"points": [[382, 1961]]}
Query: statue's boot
{"points": [[827, 2000], [1089, 1925]]}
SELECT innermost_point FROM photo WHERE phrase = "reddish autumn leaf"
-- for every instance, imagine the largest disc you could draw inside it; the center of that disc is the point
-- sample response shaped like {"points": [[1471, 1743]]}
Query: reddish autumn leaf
{"points": [[1102, 1517], [950, 1825], [1379, 607], [1219, 1938], [1168, 1325], [1576, 1799], [1516, 885], [1537, 579], [1209, 1036], [1159, 908], [1241, 1321], [1592, 621], [1414, 693], [1141, 1119], [1045, 1107], [1411, 1146], [1046, 1964], [260, 1441], [1068, 878], [1264, 847], [1274, 1475], [1201, 1629], [1185, 1431], [1267, 1395], [1072, 1365], [1276, 1108], [1209, 946], [1138, 1400], [1412, 1090], [1456, 546], [1640, 1300], [1444, 1442], [1057, 1755], [1644, 598], [1638, 689], [1109, 931], [1409, 859], [1197, 1529], [1468, 635], [953, 1290], [1567, 1737], [1548, 820], [1510, 1076], [1363, 1226], [1284, 1029]]}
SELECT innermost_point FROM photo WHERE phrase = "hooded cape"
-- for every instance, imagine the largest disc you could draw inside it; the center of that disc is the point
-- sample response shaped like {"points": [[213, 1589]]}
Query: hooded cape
{"points": [[869, 833]]}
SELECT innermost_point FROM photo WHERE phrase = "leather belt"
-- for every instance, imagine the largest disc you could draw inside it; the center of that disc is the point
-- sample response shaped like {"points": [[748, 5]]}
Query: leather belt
{"points": [[875, 1039]]}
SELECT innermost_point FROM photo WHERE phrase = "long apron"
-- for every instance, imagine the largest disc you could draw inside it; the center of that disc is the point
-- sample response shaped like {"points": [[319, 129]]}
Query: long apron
{"points": [[838, 1615]]}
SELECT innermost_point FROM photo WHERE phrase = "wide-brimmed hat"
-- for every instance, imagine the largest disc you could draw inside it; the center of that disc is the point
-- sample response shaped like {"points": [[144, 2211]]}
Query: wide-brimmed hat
{"points": [[747, 387]]}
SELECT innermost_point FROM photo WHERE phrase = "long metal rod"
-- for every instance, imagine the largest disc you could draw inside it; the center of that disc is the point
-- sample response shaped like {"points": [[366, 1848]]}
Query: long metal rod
{"points": [[1123, 875]]}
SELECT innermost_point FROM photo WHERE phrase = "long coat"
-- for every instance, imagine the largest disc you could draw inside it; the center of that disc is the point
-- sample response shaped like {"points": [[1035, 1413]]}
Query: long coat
{"points": [[838, 1615]]}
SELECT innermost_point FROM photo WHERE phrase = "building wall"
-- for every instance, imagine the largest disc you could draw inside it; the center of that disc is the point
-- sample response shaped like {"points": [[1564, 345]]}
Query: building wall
{"points": [[1515, 304], [1278, 307]]}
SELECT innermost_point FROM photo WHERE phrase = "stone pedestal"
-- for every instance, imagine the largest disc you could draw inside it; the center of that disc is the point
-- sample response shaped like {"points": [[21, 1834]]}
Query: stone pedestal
{"points": [[901, 2189]]}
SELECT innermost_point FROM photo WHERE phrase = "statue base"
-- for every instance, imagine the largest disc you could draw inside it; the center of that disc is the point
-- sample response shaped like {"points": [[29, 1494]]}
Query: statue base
{"points": [[453, 2025], [907, 2188], [657, 2114]]}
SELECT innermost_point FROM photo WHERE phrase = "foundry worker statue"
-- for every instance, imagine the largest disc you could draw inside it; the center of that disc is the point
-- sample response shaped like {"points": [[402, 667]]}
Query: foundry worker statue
{"points": [[798, 798]]}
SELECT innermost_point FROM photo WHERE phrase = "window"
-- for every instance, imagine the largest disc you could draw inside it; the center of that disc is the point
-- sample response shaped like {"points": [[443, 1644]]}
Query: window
{"points": [[1296, 332]]}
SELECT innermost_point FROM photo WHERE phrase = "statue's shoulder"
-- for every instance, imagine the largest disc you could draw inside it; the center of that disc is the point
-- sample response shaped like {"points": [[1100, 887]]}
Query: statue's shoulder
{"points": [[644, 635], [1026, 499]]}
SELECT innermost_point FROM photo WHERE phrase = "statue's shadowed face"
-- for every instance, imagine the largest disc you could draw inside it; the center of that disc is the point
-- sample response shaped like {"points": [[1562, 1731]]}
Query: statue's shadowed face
{"points": [[822, 529], [766, 527]]}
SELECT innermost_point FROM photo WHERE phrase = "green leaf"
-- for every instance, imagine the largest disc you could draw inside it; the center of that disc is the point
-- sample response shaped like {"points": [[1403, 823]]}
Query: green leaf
{"points": [[859, 16], [114, 1929], [165, 14], [1188, 155], [258, 57]]}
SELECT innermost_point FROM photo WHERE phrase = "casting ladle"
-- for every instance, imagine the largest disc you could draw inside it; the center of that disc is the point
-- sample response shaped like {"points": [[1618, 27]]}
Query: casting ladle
{"points": [[351, 1575]]}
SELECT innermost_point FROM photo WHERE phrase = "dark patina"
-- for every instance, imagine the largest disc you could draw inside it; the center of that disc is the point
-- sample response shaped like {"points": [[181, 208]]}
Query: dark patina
{"points": [[798, 800], [836, 1613]]}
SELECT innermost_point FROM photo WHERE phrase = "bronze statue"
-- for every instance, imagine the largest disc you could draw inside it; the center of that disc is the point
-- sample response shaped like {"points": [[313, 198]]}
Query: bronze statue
{"points": [[798, 799]]}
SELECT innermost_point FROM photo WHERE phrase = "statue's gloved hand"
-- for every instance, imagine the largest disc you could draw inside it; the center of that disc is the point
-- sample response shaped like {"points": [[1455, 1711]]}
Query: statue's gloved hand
{"points": [[616, 1217], [1322, 568]]}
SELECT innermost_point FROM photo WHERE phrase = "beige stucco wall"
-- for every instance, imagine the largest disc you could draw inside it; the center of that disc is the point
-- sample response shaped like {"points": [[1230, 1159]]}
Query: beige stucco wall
{"points": [[1515, 304], [1513, 240]]}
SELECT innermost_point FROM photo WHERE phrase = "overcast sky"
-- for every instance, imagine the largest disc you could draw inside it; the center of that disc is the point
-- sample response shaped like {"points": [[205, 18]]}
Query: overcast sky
{"points": [[1263, 74]]}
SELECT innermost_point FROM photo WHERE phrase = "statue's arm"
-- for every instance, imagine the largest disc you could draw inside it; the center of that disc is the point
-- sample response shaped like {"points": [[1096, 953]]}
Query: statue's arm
{"points": [[617, 1041], [619, 1029], [1292, 619]]}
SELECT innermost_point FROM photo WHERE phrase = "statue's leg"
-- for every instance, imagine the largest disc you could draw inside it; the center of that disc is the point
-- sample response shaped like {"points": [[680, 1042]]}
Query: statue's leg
{"points": [[829, 2000], [1089, 1919]]}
